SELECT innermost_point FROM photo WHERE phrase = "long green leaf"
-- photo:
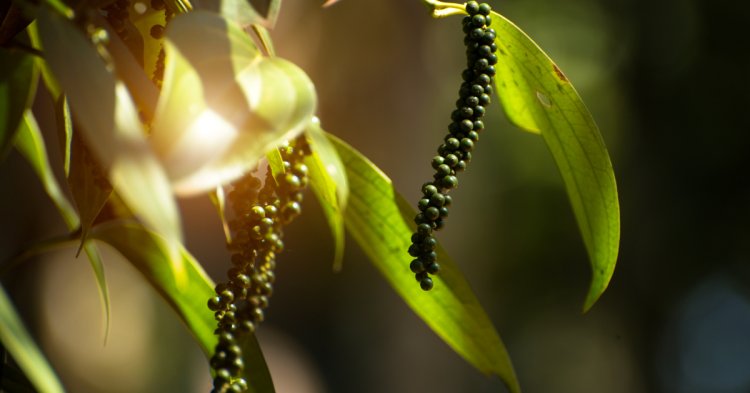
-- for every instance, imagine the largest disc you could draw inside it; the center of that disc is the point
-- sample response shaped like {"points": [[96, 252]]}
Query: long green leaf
{"points": [[223, 105], [149, 253], [379, 219], [18, 79], [538, 97], [30, 144], [24, 350], [329, 182], [110, 124]]}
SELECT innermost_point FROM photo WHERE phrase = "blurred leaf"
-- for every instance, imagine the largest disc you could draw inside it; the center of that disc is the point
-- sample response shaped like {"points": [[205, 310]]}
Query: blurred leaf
{"points": [[537, 97], [149, 253], [64, 130], [30, 143], [329, 182], [246, 13], [97, 265], [24, 350], [274, 7], [151, 46], [49, 80], [275, 163], [18, 79], [239, 11], [329, 3], [223, 106], [380, 221], [265, 39], [219, 200], [110, 124]]}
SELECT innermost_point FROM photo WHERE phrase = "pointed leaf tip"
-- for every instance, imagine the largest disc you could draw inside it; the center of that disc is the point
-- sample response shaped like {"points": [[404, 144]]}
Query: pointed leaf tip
{"points": [[539, 98]]}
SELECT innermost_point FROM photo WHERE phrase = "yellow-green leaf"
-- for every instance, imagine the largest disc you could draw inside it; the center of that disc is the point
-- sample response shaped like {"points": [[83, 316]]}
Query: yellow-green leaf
{"points": [[223, 105], [149, 253], [380, 220], [30, 144], [539, 98], [110, 124], [18, 79], [24, 350], [329, 182]]}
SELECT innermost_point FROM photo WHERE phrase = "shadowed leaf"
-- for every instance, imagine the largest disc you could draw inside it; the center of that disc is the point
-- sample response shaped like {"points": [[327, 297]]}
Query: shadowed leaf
{"points": [[30, 144], [18, 79]]}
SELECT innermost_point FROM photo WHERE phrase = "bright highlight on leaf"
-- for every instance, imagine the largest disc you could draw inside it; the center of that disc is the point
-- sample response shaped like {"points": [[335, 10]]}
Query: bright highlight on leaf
{"points": [[537, 97], [110, 124], [212, 64], [329, 182], [379, 219]]}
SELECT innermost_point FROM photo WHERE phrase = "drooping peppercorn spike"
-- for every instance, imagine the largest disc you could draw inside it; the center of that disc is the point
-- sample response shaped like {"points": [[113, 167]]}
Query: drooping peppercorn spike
{"points": [[261, 210], [463, 133]]}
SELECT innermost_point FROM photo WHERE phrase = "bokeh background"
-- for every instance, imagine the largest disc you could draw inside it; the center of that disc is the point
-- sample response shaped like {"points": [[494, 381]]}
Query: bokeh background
{"points": [[666, 83]]}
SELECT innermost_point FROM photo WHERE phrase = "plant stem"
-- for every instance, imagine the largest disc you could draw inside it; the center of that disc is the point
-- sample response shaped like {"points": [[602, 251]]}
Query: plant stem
{"points": [[440, 9]]}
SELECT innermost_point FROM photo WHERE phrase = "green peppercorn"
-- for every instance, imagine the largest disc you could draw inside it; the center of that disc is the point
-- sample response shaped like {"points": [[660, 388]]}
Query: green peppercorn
{"points": [[429, 189], [484, 9], [451, 160], [437, 200], [416, 266], [467, 144], [449, 182], [157, 31], [432, 213], [472, 7]]}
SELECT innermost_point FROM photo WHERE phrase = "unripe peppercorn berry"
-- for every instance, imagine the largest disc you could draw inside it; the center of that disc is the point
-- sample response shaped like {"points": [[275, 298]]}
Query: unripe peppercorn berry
{"points": [[259, 215], [463, 133]]}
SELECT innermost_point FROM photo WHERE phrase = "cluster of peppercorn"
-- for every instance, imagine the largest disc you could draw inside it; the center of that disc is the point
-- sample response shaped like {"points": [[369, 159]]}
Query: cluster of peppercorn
{"points": [[157, 32], [455, 153], [260, 213], [117, 16]]}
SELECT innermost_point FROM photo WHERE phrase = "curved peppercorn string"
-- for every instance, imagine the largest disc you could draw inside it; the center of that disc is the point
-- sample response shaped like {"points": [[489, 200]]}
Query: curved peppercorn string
{"points": [[260, 214], [455, 153]]}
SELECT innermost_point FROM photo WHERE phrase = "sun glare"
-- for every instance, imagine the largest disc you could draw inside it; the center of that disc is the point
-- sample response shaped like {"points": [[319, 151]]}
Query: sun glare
{"points": [[207, 138], [210, 129]]}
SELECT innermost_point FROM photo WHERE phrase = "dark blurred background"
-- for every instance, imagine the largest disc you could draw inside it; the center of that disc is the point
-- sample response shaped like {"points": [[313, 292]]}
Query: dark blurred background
{"points": [[666, 83]]}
